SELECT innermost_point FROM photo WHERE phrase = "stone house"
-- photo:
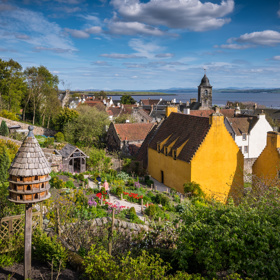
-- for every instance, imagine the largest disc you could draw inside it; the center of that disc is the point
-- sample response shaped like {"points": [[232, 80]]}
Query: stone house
{"points": [[127, 137], [187, 148], [267, 165]]}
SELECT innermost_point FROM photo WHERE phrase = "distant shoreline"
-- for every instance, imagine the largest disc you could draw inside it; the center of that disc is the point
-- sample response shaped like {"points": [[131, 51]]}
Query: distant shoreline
{"points": [[121, 93]]}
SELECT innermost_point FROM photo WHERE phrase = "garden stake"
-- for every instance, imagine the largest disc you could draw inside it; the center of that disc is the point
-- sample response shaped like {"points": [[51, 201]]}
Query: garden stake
{"points": [[121, 196], [142, 206]]}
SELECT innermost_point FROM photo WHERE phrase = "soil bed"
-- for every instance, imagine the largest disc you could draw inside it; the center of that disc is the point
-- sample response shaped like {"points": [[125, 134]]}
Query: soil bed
{"points": [[42, 272]]}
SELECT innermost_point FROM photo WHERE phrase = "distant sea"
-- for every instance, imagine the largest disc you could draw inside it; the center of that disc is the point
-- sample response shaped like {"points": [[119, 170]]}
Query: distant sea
{"points": [[268, 99]]}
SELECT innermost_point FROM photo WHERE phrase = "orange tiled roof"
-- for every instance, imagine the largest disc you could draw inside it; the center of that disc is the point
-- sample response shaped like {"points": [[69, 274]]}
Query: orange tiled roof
{"points": [[150, 101], [229, 113], [133, 131]]}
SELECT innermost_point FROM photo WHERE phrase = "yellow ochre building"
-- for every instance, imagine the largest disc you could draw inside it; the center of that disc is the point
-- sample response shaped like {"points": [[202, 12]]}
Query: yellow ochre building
{"points": [[187, 148], [267, 165]]}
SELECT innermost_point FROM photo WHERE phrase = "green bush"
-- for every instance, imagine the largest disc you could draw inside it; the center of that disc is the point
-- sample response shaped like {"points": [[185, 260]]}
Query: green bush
{"points": [[151, 210], [193, 189], [9, 115], [132, 211], [69, 184], [162, 199], [241, 239], [57, 183], [59, 137], [150, 182], [48, 250], [119, 191], [100, 265]]}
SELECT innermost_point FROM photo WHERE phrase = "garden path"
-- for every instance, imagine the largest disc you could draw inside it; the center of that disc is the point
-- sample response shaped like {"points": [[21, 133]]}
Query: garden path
{"points": [[113, 199]]}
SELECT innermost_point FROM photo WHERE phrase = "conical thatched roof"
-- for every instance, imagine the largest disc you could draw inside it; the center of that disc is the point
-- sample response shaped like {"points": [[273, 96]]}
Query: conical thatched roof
{"points": [[30, 159]]}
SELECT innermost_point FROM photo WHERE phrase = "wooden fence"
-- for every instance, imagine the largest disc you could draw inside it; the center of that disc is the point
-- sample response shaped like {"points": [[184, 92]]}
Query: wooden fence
{"points": [[14, 225]]}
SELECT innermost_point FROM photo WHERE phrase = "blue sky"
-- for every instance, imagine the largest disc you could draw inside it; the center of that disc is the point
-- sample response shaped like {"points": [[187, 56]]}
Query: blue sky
{"points": [[151, 44]]}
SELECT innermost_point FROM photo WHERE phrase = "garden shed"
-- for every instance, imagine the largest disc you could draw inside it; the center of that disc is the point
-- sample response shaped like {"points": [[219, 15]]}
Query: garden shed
{"points": [[73, 159]]}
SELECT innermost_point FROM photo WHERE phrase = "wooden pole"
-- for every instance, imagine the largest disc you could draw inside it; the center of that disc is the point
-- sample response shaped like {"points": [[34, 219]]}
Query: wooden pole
{"points": [[27, 241], [121, 196], [110, 245], [142, 206]]}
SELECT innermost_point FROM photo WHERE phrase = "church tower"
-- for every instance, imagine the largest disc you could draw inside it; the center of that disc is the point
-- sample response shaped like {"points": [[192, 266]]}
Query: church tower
{"points": [[205, 93]]}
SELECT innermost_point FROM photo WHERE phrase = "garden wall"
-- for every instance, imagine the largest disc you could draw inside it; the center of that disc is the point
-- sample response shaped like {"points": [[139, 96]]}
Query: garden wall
{"points": [[37, 129]]}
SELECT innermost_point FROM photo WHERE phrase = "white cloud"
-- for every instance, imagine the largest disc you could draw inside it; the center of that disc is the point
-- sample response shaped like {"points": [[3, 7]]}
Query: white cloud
{"points": [[143, 48], [80, 34], [94, 30], [250, 40], [56, 50], [234, 46], [120, 55], [184, 14], [277, 57], [164, 55], [34, 28], [131, 28], [267, 38], [101, 63]]}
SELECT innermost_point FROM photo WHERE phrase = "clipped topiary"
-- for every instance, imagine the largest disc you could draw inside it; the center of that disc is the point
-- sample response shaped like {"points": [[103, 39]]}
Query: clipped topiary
{"points": [[119, 191], [4, 130]]}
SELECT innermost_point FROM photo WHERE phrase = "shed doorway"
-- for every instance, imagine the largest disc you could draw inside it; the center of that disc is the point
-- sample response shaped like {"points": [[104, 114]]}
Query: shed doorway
{"points": [[77, 165]]}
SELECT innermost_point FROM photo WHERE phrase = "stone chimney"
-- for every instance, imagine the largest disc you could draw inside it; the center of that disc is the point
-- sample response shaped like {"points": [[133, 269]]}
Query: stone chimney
{"points": [[237, 110], [216, 118], [187, 111], [273, 139]]}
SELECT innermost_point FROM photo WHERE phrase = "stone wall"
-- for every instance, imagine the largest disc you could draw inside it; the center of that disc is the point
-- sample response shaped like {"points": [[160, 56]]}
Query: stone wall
{"points": [[37, 129], [248, 164]]}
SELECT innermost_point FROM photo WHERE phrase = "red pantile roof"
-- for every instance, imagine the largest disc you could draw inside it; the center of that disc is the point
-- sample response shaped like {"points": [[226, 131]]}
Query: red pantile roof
{"points": [[229, 113], [133, 131], [150, 101], [114, 111], [181, 127]]}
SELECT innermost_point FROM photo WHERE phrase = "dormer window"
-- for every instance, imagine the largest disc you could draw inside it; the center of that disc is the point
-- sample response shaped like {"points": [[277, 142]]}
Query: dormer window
{"points": [[174, 154], [158, 147], [244, 136]]}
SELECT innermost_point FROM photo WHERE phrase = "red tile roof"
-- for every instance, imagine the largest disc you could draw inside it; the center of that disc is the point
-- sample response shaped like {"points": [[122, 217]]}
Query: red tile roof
{"points": [[133, 131], [229, 113], [114, 111], [181, 127], [150, 101]]}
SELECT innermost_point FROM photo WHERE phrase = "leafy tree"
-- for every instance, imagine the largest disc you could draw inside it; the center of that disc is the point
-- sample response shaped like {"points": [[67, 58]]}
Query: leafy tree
{"points": [[4, 130], [64, 117], [123, 118], [88, 128], [12, 85], [101, 94], [4, 163], [41, 85], [98, 160], [127, 99], [59, 137]]}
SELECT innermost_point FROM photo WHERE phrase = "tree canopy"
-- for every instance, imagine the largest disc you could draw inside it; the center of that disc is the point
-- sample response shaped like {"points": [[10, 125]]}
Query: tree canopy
{"points": [[88, 128], [127, 99]]}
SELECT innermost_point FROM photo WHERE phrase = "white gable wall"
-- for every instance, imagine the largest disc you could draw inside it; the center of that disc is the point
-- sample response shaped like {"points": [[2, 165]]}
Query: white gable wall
{"points": [[242, 143], [257, 138]]}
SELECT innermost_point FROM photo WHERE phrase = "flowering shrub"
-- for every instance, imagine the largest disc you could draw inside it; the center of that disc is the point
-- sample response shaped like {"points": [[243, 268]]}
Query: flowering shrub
{"points": [[92, 202]]}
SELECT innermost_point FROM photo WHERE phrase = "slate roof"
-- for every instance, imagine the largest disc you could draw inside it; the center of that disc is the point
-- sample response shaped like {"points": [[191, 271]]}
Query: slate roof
{"points": [[114, 111], [181, 127], [205, 81], [30, 159], [142, 154], [229, 113], [133, 131], [68, 150], [242, 124]]}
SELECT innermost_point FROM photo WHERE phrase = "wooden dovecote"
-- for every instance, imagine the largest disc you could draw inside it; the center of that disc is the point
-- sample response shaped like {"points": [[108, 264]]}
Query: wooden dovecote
{"points": [[29, 173]]}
